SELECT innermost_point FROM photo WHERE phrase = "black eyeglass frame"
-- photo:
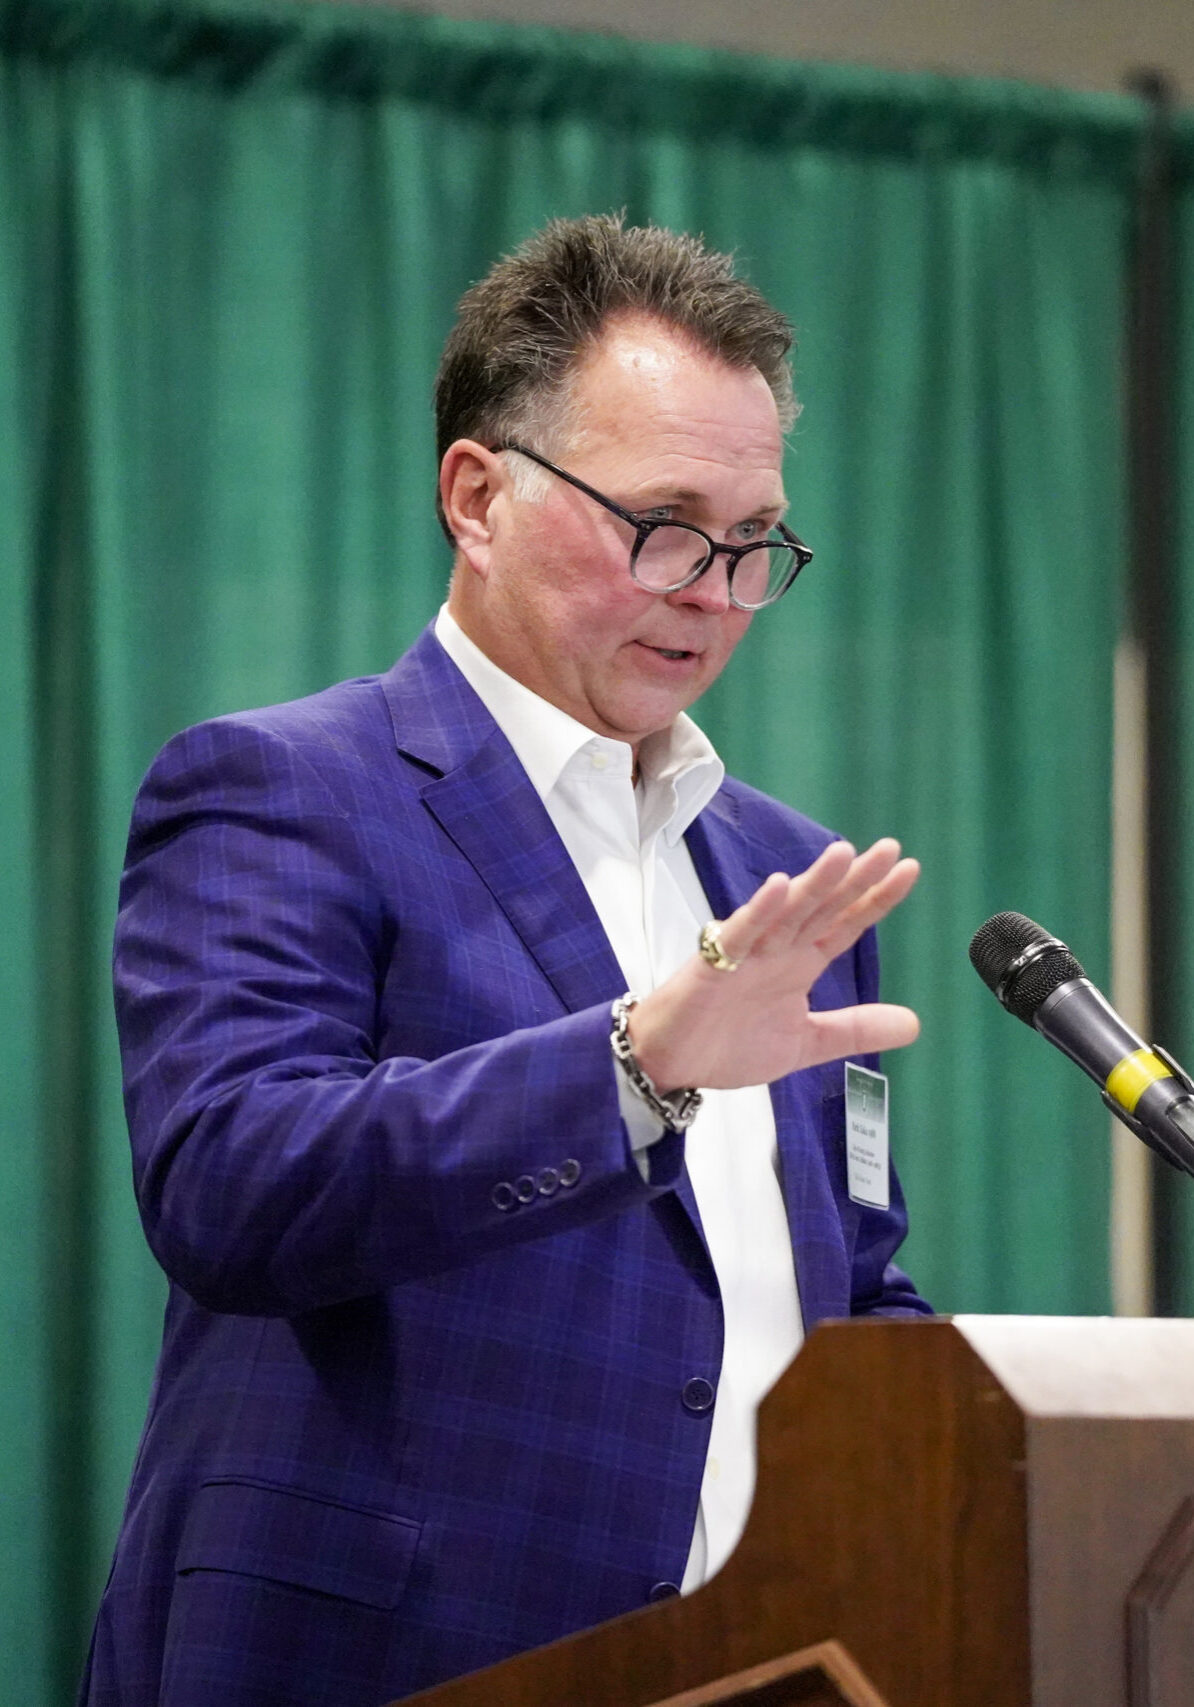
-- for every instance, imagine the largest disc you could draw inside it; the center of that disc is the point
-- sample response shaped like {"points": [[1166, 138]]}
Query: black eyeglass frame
{"points": [[643, 529]]}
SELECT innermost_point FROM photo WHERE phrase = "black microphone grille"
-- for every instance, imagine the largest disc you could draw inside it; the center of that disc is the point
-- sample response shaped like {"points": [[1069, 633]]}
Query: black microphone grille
{"points": [[1005, 940]]}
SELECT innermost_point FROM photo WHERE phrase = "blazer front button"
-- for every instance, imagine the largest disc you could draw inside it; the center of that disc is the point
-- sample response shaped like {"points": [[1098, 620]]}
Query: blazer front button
{"points": [[570, 1171], [697, 1395], [662, 1591], [502, 1196]]}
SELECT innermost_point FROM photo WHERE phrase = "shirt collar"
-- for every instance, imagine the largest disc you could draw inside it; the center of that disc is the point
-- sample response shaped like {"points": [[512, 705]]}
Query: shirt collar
{"points": [[681, 772], [680, 765]]}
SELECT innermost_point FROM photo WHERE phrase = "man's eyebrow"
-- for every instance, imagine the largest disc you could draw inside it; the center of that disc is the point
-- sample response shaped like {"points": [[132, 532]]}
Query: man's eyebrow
{"points": [[654, 499], [653, 496]]}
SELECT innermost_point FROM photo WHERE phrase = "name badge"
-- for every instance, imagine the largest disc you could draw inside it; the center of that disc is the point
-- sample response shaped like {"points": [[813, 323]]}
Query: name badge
{"points": [[867, 1173]]}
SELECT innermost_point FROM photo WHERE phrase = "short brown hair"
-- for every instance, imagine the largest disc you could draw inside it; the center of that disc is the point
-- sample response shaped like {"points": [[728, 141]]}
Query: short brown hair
{"points": [[520, 330]]}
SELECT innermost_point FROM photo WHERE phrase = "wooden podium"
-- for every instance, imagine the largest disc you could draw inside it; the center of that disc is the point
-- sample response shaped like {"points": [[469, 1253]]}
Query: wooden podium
{"points": [[988, 1511]]}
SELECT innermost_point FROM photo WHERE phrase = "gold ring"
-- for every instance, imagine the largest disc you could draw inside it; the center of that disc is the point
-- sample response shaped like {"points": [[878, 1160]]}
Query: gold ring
{"points": [[711, 951]]}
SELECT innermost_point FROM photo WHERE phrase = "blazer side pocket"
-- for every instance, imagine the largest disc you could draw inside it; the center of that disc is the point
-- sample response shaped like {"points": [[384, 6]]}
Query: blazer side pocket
{"points": [[284, 1599], [259, 1530]]}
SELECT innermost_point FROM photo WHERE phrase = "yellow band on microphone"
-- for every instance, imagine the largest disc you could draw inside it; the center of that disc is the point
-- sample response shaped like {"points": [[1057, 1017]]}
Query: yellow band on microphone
{"points": [[1130, 1078]]}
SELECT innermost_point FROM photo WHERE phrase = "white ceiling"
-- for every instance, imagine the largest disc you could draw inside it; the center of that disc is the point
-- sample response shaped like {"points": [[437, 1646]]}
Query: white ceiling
{"points": [[1079, 44]]}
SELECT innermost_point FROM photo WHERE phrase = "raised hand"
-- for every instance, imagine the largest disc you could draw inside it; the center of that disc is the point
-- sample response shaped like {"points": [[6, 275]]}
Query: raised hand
{"points": [[724, 1029]]}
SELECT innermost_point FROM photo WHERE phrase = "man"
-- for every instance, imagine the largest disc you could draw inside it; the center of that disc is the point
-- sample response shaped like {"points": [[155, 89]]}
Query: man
{"points": [[468, 1317]]}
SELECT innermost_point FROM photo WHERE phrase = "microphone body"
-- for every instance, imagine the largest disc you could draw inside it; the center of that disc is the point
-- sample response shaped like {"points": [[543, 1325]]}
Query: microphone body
{"points": [[1145, 1088], [1037, 978]]}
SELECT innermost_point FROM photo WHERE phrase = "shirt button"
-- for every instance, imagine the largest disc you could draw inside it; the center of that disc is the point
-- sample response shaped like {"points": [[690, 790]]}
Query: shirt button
{"points": [[662, 1591], [570, 1171], [502, 1196], [697, 1395], [548, 1180], [599, 761], [524, 1188]]}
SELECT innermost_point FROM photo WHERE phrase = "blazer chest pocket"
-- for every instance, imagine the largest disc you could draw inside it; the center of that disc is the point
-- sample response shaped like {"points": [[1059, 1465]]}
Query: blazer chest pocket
{"points": [[293, 1538], [833, 1138], [280, 1597]]}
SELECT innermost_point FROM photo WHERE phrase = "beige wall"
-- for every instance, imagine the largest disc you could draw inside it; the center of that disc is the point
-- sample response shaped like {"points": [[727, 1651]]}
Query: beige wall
{"points": [[1081, 44]]}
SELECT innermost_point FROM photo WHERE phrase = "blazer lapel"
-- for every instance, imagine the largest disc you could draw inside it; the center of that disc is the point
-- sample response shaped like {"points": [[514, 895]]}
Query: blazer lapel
{"points": [[498, 822], [483, 799], [722, 863], [731, 865]]}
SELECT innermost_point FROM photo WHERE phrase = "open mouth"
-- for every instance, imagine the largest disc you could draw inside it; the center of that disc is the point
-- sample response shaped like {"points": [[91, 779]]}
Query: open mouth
{"points": [[670, 652]]}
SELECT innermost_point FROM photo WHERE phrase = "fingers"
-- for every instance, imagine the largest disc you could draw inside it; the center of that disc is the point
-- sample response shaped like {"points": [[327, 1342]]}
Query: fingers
{"points": [[868, 908], [859, 885], [780, 904], [840, 895], [783, 937], [825, 909]]}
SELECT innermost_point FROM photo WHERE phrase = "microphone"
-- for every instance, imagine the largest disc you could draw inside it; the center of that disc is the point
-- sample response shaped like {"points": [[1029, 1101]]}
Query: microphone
{"points": [[1037, 978]]}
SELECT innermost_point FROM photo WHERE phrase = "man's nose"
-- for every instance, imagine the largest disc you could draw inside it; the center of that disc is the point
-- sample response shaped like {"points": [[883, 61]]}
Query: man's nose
{"points": [[710, 591]]}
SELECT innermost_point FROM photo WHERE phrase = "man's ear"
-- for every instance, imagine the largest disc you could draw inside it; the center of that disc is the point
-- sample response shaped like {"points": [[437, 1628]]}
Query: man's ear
{"points": [[473, 485]]}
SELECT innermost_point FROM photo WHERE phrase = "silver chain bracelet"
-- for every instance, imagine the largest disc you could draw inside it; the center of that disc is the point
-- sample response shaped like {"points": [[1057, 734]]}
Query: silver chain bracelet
{"points": [[677, 1109]]}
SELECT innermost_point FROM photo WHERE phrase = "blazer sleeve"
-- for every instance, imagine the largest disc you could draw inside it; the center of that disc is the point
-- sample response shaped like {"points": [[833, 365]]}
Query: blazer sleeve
{"points": [[280, 1164]]}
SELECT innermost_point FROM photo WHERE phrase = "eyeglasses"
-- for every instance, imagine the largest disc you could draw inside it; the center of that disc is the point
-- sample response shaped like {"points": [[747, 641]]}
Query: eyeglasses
{"points": [[667, 556]]}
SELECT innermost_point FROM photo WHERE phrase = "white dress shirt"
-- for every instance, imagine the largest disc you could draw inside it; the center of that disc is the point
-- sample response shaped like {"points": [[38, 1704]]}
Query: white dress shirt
{"points": [[627, 844]]}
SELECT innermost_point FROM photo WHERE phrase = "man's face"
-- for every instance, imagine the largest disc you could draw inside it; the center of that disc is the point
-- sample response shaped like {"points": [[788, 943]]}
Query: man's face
{"points": [[667, 430]]}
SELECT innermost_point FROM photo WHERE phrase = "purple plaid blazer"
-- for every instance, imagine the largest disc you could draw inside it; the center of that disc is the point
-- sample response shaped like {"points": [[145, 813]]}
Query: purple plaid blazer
{"points": [[420, 1402]]}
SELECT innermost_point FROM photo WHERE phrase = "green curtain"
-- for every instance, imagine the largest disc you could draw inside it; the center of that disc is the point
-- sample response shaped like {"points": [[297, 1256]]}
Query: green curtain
{"points": [[231, 239]]}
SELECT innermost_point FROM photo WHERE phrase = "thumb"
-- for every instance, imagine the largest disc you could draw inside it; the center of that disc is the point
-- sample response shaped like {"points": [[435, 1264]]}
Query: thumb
{"points": [[863, 1030]]}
